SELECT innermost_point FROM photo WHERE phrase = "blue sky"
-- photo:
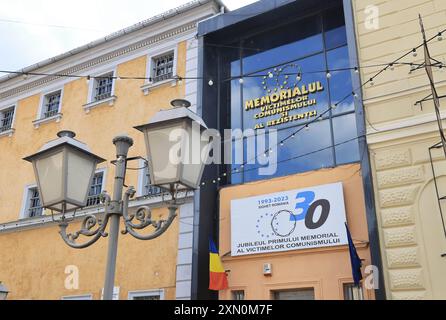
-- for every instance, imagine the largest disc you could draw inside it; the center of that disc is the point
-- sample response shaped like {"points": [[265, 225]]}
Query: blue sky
{"points": [[34, 30]]}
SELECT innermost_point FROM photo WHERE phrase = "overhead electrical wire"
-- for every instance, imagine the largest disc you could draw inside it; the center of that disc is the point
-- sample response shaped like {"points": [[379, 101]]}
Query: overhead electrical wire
{"points": [[328, 73], [25, 74]]}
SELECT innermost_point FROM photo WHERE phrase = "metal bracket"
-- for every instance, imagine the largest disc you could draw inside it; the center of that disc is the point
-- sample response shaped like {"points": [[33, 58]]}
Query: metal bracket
{"points": [[114, 207]]}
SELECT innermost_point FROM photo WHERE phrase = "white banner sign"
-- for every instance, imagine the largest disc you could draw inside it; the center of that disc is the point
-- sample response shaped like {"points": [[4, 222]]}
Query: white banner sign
{"points": [[292, 220]]}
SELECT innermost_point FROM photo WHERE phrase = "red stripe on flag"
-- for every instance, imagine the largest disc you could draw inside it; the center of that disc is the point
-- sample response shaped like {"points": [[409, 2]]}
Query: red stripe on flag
{"points": [[218, 281]]}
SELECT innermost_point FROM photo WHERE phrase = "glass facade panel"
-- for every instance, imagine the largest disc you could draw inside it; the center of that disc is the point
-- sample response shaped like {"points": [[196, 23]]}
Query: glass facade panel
{"points": [[334, 25], [282, 45], [341, 80], [344, 130]]}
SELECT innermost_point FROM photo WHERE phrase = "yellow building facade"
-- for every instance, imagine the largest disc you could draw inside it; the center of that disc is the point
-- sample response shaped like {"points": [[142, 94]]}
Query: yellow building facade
{"points": [[35, 263], [399, 137]]}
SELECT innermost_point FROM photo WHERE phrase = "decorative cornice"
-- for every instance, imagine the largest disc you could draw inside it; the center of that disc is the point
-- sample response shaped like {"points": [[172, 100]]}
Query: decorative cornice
{"points": [[47, 220], [101, 59], [404, 128]]}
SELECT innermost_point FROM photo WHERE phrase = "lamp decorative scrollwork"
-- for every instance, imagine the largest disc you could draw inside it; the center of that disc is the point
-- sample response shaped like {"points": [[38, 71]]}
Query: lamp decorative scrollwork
{"points": [[64, 169]]}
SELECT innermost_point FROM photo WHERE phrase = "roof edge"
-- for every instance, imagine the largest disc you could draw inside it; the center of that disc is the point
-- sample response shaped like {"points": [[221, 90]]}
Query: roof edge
{"points": [[115, 35]]}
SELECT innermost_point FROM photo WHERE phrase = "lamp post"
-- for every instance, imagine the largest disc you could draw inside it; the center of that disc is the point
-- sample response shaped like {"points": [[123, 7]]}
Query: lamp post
{"points": [[65, 167], [3, 291]]}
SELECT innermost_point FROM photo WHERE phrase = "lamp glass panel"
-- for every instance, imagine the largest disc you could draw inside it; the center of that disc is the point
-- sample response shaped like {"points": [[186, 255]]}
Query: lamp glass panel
{"points": [[50, 174], [165, 145], [3, 295], [80, 171]]}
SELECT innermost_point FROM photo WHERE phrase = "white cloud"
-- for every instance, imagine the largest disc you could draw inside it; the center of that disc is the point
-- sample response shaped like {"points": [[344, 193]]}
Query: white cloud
{"points": [[25, 44]]}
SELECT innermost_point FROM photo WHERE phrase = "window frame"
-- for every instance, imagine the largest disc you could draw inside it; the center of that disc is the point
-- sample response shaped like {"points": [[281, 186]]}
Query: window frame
{"points": [[25, 202], [351, 284], [236, 291], [151, 56], [145, 293], [41, 119], [315, 284], [91, 102], [154, 68], [3, 109]]}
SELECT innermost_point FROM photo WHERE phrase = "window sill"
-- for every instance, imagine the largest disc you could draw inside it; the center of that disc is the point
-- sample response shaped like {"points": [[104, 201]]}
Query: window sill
{"points": [[110, 101], [7, 133], [146, 88], [37, 123]]}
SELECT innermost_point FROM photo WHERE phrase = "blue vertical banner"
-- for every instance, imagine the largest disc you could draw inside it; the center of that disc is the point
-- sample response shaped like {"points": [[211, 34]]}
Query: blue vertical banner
{"points": [[354, 259]]}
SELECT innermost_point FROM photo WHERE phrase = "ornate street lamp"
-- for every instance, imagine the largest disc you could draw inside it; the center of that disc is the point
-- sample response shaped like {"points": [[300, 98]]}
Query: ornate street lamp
{"points": [[3, 292], [64, 169], [177, 134]]}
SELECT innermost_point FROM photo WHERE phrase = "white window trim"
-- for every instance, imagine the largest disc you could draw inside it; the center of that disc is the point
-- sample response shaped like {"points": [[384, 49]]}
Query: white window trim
{"points": [[78, 297], [90, 101], [358, 293], [149, 66], [25, 198], [40, 119], [145, 293], [11, 131], [139, 191], [104, 176]]}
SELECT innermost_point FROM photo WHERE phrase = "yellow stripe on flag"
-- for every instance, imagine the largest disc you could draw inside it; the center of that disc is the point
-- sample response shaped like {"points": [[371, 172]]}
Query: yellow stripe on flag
{"points": [[215, 263]]}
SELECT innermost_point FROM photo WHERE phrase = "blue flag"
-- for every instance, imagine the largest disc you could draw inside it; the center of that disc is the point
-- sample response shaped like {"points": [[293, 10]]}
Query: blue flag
{"points": [[354, 259]]}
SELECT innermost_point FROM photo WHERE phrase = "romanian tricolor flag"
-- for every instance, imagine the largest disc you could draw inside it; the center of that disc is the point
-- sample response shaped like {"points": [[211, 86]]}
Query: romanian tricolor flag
{"points": [[217, 275]]}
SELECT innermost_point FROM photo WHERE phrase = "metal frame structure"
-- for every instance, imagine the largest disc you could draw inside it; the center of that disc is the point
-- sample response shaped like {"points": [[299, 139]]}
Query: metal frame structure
{"points": [[270, 13], [430, 62]]}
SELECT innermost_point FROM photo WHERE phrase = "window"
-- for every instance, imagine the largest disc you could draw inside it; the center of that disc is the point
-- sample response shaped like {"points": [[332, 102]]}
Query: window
{"points": [[35, 209], [146, 295], [103, 87], [318, 44], [238, 295], [95, 189], [51, 104], [352, 292], [31, 206], [163, 67], [6, 118], [146, 189], [295, 294]]}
